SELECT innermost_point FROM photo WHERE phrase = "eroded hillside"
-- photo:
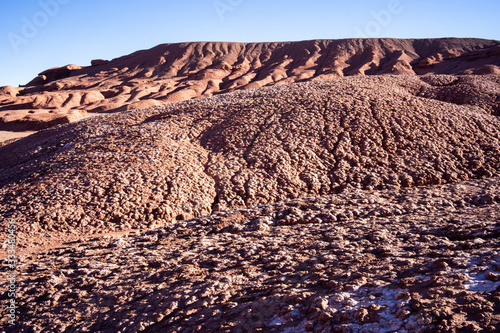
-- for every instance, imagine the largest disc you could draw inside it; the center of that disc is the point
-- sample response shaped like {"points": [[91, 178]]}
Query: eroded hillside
{"points": [[148, 167], [176, 72]]}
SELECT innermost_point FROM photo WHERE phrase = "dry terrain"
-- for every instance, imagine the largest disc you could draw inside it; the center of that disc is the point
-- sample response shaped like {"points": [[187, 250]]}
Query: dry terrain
{"points": [[421, 259], [176, 72], [322, 186]]}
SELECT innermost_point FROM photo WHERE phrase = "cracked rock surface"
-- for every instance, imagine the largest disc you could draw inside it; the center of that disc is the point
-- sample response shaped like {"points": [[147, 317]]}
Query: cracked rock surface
{"points": [[420, 259], [148, 167]]}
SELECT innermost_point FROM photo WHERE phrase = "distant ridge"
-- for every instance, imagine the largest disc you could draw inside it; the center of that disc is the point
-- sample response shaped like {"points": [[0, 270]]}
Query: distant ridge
{"points": [[176, 72]]}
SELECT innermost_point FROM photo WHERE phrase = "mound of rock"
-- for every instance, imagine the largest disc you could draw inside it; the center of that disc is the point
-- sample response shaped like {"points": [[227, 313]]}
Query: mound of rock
{"points": [[144, 168]]}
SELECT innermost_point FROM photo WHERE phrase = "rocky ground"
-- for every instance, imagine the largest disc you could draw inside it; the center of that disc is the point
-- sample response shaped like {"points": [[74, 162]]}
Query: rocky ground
{"points": [[422, 259]]}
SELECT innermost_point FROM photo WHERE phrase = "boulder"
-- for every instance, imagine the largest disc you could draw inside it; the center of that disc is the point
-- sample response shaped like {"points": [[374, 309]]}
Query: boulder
{"points": [[99, 62]]}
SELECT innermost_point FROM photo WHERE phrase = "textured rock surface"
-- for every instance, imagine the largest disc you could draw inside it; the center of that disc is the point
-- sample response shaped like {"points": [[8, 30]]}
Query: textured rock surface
{"points": [[176, 72], [368, 203], [422, 259], [144, 168]]}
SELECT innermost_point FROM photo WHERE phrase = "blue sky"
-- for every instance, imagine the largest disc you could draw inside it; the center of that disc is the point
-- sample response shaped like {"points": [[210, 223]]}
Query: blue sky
{"points": [[39, 34]]}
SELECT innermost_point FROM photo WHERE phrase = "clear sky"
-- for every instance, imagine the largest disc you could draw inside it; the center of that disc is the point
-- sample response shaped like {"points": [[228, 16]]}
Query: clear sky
{"points": [[39, 34]]}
